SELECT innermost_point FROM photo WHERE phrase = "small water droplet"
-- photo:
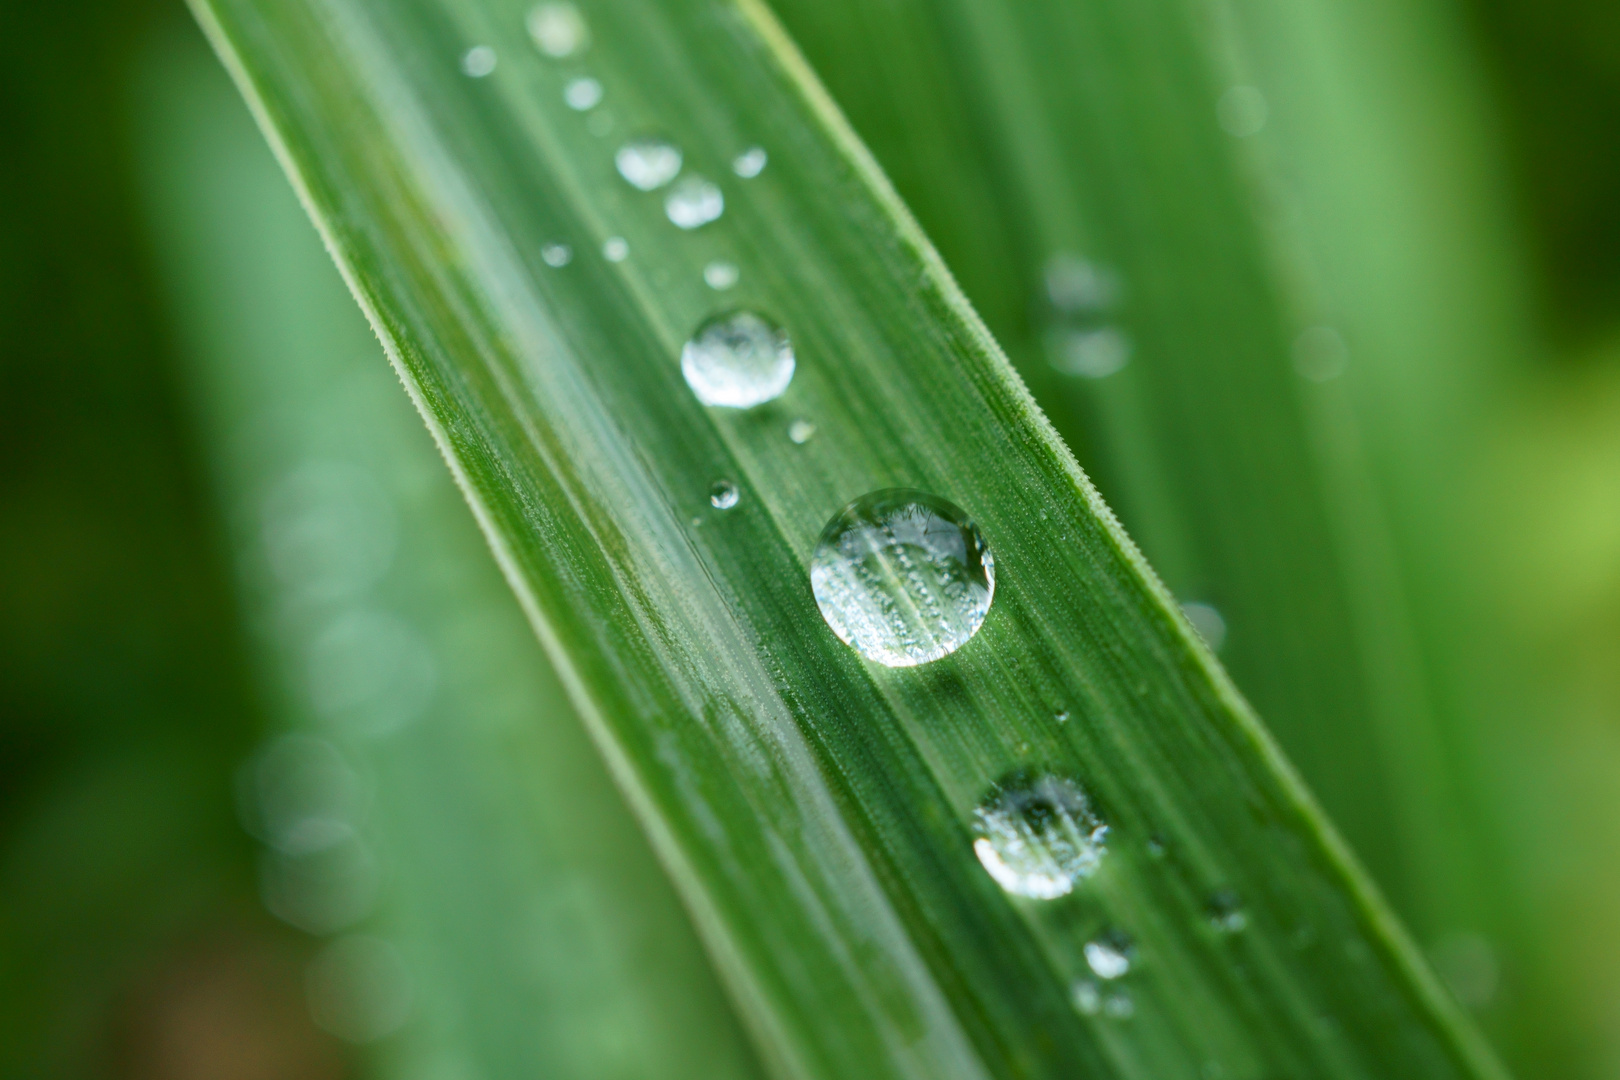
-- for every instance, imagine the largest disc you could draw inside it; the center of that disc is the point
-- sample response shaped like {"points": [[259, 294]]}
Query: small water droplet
{"points": [[1086, 996], [1207, 622], [800, 431], [1119, 1006], [1225, 912], [903, 577], [724, 495], [720, 275], [1157, 846], [583, 94], [615, 249], [1061, 716], [557, 254], [697, 522], [1109, 956], [648, 163], [694, 202], [1080, 337], [1320, 354], [738, 360], [558, 29], [1242, 111], [750, 163], [1037, 835], [478, 61]]}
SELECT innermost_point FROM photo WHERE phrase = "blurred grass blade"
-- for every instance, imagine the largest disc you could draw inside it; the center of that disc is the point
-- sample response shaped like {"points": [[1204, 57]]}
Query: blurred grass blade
{"points": [[816, 811], [543, 938]]}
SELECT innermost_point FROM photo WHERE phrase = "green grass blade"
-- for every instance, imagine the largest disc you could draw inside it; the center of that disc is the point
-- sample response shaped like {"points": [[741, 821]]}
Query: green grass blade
{"points": [[545, 940], [814, 810]]}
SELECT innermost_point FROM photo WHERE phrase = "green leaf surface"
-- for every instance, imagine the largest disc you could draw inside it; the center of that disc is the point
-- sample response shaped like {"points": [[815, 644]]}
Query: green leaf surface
{"points": [[541, 938], [816, 810]]}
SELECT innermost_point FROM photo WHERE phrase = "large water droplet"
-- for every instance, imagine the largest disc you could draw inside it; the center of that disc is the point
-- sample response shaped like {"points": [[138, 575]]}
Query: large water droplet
{"points": [[903, 577], [558, 29], [1109, 955], [648, 163], [750, 163], [738, 360], [693, 202], [1037, 835], [724, 495], [478, 61], [1080, 337], [583, 94]]}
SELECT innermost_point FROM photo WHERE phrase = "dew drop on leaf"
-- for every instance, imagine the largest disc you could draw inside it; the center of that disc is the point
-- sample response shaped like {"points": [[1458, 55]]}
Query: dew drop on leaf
{"points": [[1080, 336], [800, 431], [750, 163], [615, 249], [738, 360], [720, 275], [903, 577], [694, 202], [557, 254], [558, 29], [583, 94], [723, 495], [1037, 835], [1109, 954], [648, 163], [1225, 912], [478, 61]]}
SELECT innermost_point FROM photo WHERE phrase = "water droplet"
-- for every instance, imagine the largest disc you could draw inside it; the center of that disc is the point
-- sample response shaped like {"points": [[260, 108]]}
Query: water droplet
{"points": [[615, 249], [720, 275], [557, 254], [903, 577], [1119, 1006], [478, 61], [738, 360], [1157, 846], [359, 989], [1037, 835], [1109, 956], [724, 495], [583, 94], [1207, 622], [800, 431], [558, 29], [1225, 912], [750, 163], [1080, 337], [1468, 965], [648, 163], [1061, 716], [1242, 111], [1320, 354], [693, 202], [1086, 996]]}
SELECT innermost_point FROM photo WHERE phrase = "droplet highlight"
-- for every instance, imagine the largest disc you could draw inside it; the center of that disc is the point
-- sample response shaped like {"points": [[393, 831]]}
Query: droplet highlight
{"points": [[558, 29], [693, 202], [801, 431], [720, 275], [647, 163], [615, 249], [723, 495], [903, 577], [1037, 835], [738, 360], [1080, 299], [1109, 955], [478, 61], [750, 163], [583, 94], [557, 254]]}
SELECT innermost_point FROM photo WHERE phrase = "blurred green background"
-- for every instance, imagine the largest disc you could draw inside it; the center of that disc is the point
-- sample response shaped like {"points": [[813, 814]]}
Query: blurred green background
{"points": [[145, 243]]}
